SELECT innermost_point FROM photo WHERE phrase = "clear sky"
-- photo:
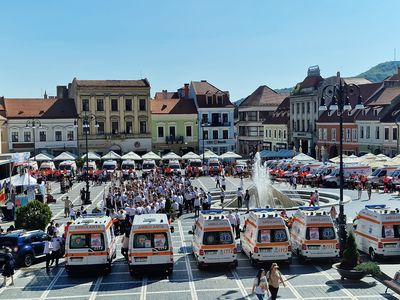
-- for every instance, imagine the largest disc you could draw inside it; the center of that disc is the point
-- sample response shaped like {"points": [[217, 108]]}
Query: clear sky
{"points": [[236, 45]]}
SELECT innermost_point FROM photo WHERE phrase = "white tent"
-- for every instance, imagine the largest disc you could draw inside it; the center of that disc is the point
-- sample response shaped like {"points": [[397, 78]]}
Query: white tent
{"points": [[42, 157], [382, 156], [230, 154], [23, 180], [151, 155], [131, 155], [336, 159], [91, 156], [65, 156], [111, 155], [210, 154], [303, 158], [171, 155], [191, 155]]}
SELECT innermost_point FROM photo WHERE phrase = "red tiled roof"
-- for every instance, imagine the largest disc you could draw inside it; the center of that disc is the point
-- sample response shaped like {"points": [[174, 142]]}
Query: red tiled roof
{"points": [[203, 89], [22, 108], [173, 106], [311, 81], [113, 83], [166, 95], [263, 96]]}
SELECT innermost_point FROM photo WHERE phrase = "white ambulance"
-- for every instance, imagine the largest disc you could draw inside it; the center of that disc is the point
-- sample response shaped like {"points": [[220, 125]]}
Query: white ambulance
{"points": [[213, 241], [377, 231], [150, 244], [90, 243], [265, 237], [313, 234], [333, 179]]}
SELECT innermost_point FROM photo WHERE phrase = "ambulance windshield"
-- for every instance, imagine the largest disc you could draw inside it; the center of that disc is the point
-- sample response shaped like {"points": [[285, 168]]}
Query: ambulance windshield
{"points": [[320, 233], [217, 238], [94, 241], [272, 235]]}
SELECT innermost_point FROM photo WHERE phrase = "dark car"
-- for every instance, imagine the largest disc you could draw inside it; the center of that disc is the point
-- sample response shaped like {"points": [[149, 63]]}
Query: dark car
{"points": [[26, 246]]}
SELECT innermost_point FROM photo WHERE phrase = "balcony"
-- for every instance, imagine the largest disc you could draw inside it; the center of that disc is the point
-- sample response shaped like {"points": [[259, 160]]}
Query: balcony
{"points": [[174, 139], [217, 124]]}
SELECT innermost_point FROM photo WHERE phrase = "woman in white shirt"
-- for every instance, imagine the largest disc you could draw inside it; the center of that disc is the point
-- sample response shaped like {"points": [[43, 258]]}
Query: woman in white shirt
{"points": [[260, 285]]}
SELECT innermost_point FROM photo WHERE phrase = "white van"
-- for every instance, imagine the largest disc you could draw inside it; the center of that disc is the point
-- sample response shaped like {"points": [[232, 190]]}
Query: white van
{"points": [[128, 165], [47, 168], [213, 241], [313, 234], [110, 166], [150, 244], [149, 166], [377, 231], [196, 163], [175, 167], [377, 176], [333, 180], [67, 167], [265, 237], [90, 243]]}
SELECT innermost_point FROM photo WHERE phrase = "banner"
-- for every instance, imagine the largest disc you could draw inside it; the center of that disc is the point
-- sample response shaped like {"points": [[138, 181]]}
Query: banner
{"points": [[314, 234]]}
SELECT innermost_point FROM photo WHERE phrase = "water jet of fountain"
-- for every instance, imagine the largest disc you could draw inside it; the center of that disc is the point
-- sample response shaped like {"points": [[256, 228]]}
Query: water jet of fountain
{"points": [[262, 184]]}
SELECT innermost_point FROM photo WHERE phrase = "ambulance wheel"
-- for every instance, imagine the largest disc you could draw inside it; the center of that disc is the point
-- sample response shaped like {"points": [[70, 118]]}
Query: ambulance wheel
{"points": [[372, 254]]}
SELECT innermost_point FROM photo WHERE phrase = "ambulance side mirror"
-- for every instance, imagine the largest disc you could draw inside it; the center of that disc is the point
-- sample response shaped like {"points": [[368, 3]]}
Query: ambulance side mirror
{"points": [[172, 229], [190, 232]]}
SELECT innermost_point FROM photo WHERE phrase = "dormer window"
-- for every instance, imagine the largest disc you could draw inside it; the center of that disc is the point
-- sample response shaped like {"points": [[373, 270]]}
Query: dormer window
{"points": [[219, 100], [209, 100]]}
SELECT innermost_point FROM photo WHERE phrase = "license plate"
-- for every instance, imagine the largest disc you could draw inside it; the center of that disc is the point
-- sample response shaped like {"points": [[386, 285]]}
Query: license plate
{"points": [[227, 251], [140, 259], [390, 245], [265, 250], [211, 252], [313, 247]]}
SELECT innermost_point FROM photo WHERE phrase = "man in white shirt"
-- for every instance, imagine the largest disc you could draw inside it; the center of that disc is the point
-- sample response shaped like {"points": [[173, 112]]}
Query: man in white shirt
{"points": [[232, 220], [56, 251]]}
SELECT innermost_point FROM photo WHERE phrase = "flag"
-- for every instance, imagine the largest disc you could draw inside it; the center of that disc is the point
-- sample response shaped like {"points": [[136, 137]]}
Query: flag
{"points": [[3, 196]]}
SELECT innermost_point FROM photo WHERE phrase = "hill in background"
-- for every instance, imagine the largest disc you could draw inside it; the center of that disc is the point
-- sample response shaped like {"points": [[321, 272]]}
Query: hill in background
{"points": [[381, 71]]}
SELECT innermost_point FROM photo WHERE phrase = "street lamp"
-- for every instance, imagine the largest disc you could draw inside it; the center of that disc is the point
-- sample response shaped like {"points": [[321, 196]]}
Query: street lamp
{"points": [[86, 119], [32, 124], [203, 124], [340, 102]]}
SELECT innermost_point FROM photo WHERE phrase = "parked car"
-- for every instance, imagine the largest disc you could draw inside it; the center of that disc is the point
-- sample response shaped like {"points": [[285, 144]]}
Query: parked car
{"points": [[26, 246]]}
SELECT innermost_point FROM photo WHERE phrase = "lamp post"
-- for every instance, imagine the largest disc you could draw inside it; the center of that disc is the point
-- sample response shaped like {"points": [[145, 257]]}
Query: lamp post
{"points": [[31, 124], [203, 124], [340, 102], [86, 119]]}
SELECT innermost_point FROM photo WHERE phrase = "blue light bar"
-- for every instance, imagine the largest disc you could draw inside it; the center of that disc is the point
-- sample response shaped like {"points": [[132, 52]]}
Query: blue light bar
{"points": [[262, 209], [309, 208], [212, 211], [375, 206]]}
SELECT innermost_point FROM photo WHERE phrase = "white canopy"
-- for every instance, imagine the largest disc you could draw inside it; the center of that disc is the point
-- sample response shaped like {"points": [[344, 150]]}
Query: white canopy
{"points": [[336, 159], [42, 157], [151, 155], [23, 180], [111, 155], [210, 154], [191, 155], [91, 156], [229, 154], [131, 155], [65, 156], [303, 158], [382, 156], [171, 155]]}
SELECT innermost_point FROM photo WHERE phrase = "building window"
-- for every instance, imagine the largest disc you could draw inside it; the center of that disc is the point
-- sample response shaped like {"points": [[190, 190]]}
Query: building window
{"points": [[100, 105], [394, 133], [205, 134], [85, 104], [70, 135], [354, 134], [42, 136], [377, 131], [128, 127], [128, 104], [58, 135], [368, 132], [114, 104], [100, 129], [219, 99], [215, 134], [347, 134], [252, 116], [302, 108], [188, 130], [303, 128], [325, 134], [142, 104], [27, 137], [209, 100], [362, 132], [274, 133], [386, 133], [308, 107], [225, 134], [14, 137], [252, 131], [297, 108], [298, 125], [160, 131], [142, 127], [284, 134], [320, 133], [279, 134], [225, 118], [333, 134], [204, 118], [114, 127], [172, 131]]}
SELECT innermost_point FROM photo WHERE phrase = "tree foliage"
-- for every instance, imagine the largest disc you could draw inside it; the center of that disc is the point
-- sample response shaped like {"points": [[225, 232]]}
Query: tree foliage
{"points": [[35, 215], [350, 255]]}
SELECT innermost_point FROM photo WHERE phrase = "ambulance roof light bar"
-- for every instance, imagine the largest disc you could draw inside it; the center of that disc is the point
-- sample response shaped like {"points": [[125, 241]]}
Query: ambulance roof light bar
{"points": [[375, 206], [309, 208], [212, 212], [267, 209]]}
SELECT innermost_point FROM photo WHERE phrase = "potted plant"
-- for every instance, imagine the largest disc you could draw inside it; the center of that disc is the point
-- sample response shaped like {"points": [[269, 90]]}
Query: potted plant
{"points": [[347, 268]]}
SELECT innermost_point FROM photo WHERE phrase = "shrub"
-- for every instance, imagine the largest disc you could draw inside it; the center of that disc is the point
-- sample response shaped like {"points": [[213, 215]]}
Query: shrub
{"points": [[35, 215], [370, 267], [350, 254]]}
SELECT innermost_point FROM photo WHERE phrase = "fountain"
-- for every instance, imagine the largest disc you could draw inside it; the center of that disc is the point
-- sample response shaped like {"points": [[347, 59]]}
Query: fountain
{"points": [[262, 193]]}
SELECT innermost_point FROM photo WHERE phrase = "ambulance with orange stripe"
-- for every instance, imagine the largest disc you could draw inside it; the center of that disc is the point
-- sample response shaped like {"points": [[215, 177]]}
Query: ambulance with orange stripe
{"points": [[313, 234], [90, 243], [150, 244], [265, 237], [213, 241], [377, 231]]}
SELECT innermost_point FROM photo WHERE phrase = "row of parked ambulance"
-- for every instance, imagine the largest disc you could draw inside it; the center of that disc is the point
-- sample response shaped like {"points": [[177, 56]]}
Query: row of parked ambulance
{"points": [[91, 242]]}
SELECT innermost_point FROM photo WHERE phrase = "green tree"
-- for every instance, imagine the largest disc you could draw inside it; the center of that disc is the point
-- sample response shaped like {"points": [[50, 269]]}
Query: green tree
{"points": [[350, 255], [35, 215]]}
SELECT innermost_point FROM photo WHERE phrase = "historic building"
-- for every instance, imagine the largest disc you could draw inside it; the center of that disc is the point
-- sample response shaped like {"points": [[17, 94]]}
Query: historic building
{"points": [[3, 128], [41, 125], [122, 112], [215, 117], [253, 111], [174, 122]]}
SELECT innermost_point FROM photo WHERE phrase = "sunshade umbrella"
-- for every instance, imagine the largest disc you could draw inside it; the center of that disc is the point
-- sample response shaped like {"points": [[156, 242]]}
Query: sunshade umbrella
{"points": [[111, 155], [379, 156], [230, 154], [336, 159], [210, 154], [91, 156], [131, 155], [191, 155], [303, 158], [64, 156], [171, 155], [151, 155], [42, 157]]}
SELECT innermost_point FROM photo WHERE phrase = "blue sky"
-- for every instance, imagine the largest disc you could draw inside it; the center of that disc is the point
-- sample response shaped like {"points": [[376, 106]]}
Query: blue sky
{"points": [[237, 45]]}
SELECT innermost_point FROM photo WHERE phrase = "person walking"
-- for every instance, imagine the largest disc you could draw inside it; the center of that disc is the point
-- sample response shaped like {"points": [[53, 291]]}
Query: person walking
{"points": [[56, 251], [237, 225], [312, 199], [125, 245], [247, 200], [239, 195], [67, 206], [222, 197], [9, 267], [260, 285], [359, 190], [47, 251], [274, 277], [232, 220], [196, 207], [223, 183], [369, 190], [316, 196], [209, 200]]}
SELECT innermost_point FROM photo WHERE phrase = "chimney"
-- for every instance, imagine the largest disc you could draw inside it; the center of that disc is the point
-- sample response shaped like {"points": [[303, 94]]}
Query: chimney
{"points": [[62, 91], [45, 95], [186, 90]]}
